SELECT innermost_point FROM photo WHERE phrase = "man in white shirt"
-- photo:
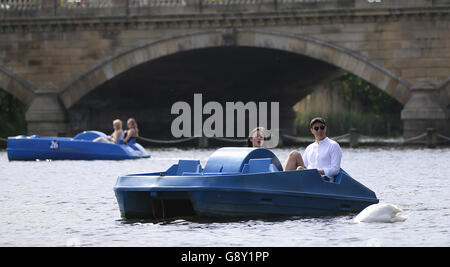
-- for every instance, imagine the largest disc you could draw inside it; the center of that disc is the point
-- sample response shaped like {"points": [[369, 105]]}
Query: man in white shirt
{"points": [[324, 154]]}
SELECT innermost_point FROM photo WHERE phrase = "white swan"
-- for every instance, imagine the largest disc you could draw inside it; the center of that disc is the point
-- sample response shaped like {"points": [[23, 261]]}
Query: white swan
{"points": [[381, 212]]}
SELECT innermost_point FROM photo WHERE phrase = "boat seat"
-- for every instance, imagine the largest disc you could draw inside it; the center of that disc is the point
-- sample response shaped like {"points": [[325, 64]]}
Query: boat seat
{"points": [[188, 167]]}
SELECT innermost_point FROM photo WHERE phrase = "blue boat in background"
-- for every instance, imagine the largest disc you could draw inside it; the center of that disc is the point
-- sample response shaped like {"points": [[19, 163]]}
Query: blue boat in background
{"points": [[238, 182], [80, 147]]}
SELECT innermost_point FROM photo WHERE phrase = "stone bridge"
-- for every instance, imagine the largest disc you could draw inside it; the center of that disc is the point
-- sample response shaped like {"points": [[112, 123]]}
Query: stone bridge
{"points": [[80, 64]]}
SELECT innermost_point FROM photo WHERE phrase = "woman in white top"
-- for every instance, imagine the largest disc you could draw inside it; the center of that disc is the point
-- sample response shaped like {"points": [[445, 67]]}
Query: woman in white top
{"points": [[115, 136], [324, 154]]}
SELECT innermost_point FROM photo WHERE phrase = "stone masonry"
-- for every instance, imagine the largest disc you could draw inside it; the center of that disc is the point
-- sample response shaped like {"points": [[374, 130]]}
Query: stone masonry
{"points": [[54, 53]]}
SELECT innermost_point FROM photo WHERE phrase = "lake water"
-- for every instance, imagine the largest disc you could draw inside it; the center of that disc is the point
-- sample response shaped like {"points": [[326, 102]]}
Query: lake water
{"points": [[59, 203]]}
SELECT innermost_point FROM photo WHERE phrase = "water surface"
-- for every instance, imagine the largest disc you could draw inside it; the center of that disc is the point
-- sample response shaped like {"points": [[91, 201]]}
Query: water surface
{"points": [[59, 203]]}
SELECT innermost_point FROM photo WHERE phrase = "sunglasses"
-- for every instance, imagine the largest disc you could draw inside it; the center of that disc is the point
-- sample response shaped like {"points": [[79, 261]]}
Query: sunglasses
{"points": [[321, 128]]}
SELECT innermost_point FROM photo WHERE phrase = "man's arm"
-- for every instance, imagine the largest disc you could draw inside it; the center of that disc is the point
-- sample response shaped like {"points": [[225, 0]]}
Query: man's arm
{"points": [[336, 156]]}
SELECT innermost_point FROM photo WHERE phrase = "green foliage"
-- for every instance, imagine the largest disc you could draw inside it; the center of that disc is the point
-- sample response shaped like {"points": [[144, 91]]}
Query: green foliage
{"points": [[372, 99], [12, 115], [370, 110]]}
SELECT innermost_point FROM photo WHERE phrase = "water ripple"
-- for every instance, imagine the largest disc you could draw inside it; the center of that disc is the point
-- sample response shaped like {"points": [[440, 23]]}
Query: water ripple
{"points": [[72, 203]]}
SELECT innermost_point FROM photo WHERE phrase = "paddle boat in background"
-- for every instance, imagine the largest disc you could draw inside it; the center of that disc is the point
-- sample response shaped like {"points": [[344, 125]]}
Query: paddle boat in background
{"points": [[80, 147], [238, 182]]}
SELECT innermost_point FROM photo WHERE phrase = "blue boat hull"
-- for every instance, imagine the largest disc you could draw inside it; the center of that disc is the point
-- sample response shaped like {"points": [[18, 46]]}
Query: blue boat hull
{"points": [[81, 147], [247, 192]]}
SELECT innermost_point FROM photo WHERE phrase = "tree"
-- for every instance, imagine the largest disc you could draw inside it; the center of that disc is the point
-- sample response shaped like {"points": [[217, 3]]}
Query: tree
{"points": [[12, 115]]}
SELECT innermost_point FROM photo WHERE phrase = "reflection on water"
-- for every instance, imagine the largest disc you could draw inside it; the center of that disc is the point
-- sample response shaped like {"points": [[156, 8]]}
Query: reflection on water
{"points": [[72, 203]]}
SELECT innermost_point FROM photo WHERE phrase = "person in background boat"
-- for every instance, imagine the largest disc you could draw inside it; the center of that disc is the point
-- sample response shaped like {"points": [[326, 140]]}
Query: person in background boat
{"points": [[324, 154], [132, 131], [116, 136], [256, 137]]}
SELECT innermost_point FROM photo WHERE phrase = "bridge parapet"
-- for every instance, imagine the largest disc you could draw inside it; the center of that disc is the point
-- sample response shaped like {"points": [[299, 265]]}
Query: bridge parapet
{"points": [[79, 8]]}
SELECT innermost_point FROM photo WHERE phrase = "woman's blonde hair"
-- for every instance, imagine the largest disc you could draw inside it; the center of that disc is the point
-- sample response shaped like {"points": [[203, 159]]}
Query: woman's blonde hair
{"points": [[117, 124], [253, 133], [133, 123]]}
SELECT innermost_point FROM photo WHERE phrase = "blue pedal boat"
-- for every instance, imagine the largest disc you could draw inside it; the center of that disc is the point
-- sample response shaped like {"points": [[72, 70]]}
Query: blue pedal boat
{"points": [[238, 182], [80, 147]]}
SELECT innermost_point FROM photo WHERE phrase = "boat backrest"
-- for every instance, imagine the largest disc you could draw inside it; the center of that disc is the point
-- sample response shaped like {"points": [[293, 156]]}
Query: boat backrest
{"points": [[259, 165], [131, 142], [185, 167], [338, 177]]}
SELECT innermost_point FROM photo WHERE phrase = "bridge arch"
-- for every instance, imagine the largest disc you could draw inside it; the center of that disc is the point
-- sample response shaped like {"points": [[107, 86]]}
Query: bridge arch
{"points": [[294, 43], [16, 86]]}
